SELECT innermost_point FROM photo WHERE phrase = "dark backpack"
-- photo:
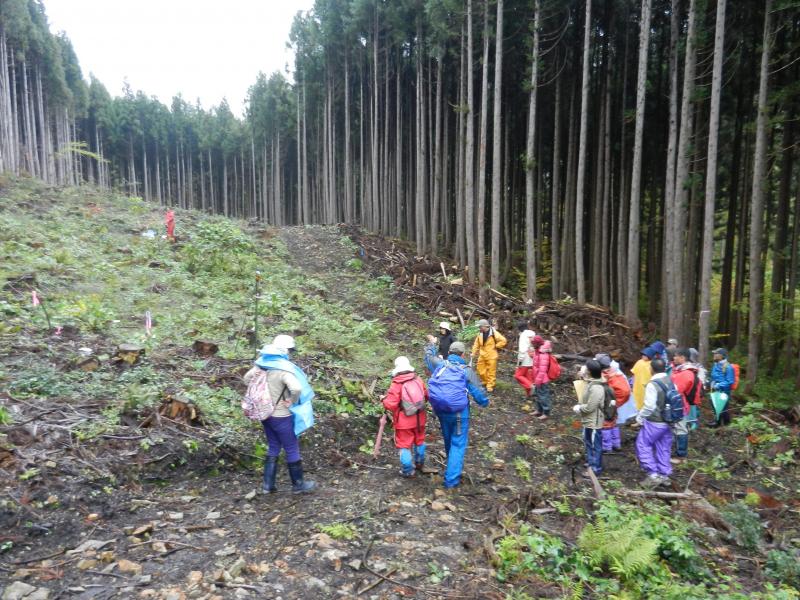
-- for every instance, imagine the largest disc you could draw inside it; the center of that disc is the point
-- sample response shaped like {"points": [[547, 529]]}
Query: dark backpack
{"points": [[609, 402], [412, 397], [447, 388], [672, 409]]}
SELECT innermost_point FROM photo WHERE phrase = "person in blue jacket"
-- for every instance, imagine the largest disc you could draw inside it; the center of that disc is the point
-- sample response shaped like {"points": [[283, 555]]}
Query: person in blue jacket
{"points": [[722, 379], [451, 380]]}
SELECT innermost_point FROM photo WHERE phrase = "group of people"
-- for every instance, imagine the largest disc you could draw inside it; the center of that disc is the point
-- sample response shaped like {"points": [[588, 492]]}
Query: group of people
{"points": [[607, 399]]}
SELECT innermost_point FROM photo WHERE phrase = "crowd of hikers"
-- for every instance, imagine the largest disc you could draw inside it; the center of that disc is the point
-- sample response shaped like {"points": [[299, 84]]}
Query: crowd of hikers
{"points": [[660, 400]]}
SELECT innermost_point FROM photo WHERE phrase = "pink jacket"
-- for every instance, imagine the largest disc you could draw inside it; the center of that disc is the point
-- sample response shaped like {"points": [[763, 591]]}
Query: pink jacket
{"points": [[541, 364]]}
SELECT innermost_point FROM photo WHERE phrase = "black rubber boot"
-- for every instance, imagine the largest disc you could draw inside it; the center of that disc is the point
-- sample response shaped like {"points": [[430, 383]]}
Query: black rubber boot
{"points": [[270, 470], [299, 486]]}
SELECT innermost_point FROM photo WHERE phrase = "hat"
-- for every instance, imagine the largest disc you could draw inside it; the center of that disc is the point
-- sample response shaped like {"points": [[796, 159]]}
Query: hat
{"points": [[283, 341], [537, 341], [604, 360], [649, 352], [721, 351], [658, 346], [672, 342], [484, 323], [546, 346], [444, 325], [457, 348], [401, 365], [271, 350]]}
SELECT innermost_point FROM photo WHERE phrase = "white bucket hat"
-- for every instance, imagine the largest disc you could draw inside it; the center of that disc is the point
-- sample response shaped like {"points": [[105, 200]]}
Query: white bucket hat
{"points": [[283, 341], [401, 365], [444, 325]]}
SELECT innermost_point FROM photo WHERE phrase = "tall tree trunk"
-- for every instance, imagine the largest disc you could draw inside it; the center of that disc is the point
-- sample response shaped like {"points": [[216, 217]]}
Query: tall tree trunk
{"points": [[677, 293], [469, 157], [497, 171], [581, 176], [711, 182], [437, 167], [530, 162], [480, 225], [760, 174]]}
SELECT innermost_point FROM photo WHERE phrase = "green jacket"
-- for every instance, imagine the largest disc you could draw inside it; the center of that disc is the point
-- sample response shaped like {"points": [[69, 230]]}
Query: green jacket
{"points": [[592, 405]]}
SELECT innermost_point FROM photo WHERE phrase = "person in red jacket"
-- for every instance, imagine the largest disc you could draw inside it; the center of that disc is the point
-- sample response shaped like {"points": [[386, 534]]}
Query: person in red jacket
{"points": [[540, 368], [616, 380], [686, 378], [406, 399]]}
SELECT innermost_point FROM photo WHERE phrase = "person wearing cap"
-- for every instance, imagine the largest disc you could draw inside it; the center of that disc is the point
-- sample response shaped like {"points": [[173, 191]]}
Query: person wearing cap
{"points": [[654, 442], [405, 399], [541, 379], [722, 380], [287, 384], [702, 374], [590, 411], [687, 382], [616, 380], [454, 425], [487, 343], [446, 338], [641, 376]]}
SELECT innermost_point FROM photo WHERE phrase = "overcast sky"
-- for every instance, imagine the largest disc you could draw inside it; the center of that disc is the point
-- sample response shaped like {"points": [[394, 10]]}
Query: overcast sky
{"points": [[201, 48]]}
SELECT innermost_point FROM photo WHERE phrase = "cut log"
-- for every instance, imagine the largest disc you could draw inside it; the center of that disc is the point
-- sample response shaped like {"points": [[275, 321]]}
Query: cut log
{"points": [[205, 348], [128, 353]]}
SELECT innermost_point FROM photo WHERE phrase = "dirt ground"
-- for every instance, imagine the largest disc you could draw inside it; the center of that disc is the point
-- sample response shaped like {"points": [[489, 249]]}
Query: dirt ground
{"points": [[204, 531]]}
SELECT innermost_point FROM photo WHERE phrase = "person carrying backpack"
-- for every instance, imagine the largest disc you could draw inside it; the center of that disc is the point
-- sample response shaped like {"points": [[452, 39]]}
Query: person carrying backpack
{"points": [[641, 376], [688, 383], [654, 442], [723, 381], [487, 343], [450, 384], [405, 399], [590, 411], [541, 379], [287, 386], [618, 383]]}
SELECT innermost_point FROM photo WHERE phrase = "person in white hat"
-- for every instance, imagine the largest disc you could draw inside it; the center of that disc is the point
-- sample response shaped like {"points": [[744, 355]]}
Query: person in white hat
{"points": [[446, 338], [487, 343], [406, 399], [288, 385]]}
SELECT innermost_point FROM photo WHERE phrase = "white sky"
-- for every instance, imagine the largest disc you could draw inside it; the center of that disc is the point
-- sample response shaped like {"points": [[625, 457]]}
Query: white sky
{"points": [[206, 49]]}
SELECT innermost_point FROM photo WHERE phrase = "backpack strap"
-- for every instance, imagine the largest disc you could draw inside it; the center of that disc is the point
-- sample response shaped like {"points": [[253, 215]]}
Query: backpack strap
{"points": [[693, 391], [663, 398]]}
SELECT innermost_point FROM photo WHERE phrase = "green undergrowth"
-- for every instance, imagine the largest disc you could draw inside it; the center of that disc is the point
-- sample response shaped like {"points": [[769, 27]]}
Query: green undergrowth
{"points": [[629, 552], [100, 261]]}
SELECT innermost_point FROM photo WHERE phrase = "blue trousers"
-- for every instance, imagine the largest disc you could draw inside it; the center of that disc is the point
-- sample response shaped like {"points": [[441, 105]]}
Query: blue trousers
{"points": [[280, 434], [455, 428], [543, 398], [593, 441], [411, 456]]}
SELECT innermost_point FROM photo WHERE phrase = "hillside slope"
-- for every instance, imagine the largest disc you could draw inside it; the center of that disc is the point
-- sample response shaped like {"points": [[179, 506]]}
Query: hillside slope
{"points": [[139, 479]]}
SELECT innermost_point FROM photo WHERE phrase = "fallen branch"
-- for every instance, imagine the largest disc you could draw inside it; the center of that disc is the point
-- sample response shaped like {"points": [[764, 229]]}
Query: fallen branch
{"points": [[598, 489], [665, 495]]}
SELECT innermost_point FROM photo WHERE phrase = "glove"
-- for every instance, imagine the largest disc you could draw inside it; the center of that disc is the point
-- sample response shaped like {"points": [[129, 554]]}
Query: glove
{"points": [[613, 403], [639, 420], [577, 409]]}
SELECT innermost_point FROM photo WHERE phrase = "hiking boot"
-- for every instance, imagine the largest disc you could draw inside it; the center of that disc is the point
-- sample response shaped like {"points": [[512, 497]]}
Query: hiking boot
{"points": [[543, 417], [270, 471], [677, 460], [664, 481], [536, 413], [650, 482], [407, 474], [426, 470], [299, 485]]}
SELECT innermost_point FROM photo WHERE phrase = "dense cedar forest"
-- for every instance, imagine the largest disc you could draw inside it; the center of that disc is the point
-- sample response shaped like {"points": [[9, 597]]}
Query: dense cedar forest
{"points": [[639, 154]]}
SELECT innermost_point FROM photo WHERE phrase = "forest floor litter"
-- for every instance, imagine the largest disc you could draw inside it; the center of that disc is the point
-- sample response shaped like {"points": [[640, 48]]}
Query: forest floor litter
{"points": [[108, 517]]}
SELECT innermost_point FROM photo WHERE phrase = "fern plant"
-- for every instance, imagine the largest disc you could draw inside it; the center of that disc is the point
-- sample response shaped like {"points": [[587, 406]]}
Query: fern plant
{"points": [[625, 551]]}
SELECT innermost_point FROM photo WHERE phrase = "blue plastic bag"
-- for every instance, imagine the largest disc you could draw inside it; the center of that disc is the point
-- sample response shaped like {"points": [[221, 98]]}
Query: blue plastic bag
{"points": [[303, 414]]}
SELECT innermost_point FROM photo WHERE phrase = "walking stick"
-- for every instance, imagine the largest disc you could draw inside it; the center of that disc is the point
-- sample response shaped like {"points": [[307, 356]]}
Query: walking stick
{"points": [[379, 438]]}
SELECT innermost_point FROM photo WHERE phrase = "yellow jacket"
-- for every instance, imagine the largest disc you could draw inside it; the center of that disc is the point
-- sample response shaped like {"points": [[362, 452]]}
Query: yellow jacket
{"points": [[494, 342], [641, 376]]}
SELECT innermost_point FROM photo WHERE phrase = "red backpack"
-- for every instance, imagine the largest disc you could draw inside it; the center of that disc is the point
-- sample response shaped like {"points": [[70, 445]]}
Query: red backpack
{"points": [[553, 369], [736, 369], [412, 397]]}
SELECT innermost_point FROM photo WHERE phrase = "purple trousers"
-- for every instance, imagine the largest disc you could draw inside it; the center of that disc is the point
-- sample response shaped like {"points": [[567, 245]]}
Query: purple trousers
{"points": [[280, 434], [612, 439], [653, 448]]}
